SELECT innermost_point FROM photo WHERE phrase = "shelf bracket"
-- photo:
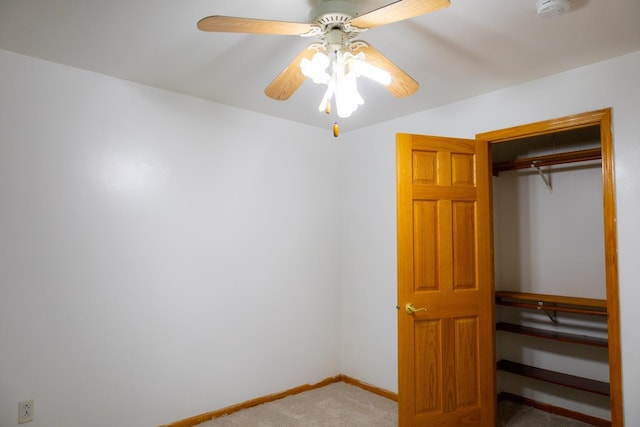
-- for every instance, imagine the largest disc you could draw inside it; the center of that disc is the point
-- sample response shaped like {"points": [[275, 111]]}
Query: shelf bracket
{"points": [[545, 178], [553, 318]]}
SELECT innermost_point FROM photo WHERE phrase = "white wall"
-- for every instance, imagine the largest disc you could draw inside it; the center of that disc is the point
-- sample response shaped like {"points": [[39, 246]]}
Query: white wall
{"points": [[160, 256], [163, 256], [368, 294], [549, 241], [368, 158]]}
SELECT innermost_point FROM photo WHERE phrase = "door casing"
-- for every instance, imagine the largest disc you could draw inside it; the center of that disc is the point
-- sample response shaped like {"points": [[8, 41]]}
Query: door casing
{"points": [[601, 118]]}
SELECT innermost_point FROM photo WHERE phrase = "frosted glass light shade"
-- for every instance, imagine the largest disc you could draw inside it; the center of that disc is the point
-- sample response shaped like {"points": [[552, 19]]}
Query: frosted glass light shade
{"points": [[341, 82]]}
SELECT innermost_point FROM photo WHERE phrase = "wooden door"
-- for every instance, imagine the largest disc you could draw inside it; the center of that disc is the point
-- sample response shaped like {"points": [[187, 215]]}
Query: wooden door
{"points": [[446, 353]]}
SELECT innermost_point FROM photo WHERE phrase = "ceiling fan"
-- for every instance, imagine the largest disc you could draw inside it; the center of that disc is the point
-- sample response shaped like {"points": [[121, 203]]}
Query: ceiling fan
{"points": [[336, 58]]}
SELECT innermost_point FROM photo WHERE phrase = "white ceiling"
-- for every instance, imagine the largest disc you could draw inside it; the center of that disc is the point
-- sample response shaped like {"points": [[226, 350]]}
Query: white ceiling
{"points": [[473, 47]]}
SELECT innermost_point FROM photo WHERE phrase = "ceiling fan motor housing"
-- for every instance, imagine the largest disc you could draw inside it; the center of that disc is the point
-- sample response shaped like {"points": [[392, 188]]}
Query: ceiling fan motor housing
{"points": [[333, 18], [324, 11], [336, 38]]}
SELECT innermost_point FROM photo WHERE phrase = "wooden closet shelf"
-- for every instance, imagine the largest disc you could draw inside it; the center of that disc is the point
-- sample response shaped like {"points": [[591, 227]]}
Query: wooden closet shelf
{"points": [[596, 307], [548, 160], [553, 377], [552, 335]]}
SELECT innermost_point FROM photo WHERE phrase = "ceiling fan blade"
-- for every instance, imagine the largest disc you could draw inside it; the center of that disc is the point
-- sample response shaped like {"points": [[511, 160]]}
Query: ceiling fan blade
{"points": [[402, 84], [230, 24], [290, 79], [398, 11]]}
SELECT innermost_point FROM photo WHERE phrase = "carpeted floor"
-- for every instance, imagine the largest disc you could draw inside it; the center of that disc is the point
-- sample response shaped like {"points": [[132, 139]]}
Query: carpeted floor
{"points": [[343, 405], [336, 405], [511, 414]]}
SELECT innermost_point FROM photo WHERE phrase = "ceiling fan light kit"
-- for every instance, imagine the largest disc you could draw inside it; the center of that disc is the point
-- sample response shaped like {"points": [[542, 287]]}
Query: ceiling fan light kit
{"points": [[341, 81], [552, 7], [335, 59]]}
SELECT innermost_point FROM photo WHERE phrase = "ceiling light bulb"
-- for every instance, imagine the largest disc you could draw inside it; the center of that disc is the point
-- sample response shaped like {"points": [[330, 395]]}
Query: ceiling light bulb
{"points": [[316, 68], [362, 68], [328, 94], [347, 97], [374, 73], [342, 85]]}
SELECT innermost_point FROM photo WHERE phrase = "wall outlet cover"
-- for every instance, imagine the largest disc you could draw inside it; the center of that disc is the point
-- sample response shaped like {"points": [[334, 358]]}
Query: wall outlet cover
{"points": [[25, 411]]}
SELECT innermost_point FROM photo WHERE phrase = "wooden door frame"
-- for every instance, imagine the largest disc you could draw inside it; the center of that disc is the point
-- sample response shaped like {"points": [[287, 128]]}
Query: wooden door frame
{"points": [[600, 118]]}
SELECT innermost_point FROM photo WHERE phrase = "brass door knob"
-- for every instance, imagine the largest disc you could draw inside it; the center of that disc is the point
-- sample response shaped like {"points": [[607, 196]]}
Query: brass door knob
{"points": [[410, 309]]}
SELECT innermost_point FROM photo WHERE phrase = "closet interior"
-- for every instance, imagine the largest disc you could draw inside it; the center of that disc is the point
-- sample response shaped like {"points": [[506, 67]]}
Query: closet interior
{"points": [[550, 273]]}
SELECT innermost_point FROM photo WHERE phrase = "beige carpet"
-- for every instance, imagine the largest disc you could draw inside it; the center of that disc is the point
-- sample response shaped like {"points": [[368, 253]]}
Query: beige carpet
{"points": [[336, 405], [511, 414], [343, 405]]}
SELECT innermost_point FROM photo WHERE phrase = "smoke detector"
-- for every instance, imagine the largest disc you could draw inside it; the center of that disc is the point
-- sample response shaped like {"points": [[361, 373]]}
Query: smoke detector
{"points": [[552, 7]]}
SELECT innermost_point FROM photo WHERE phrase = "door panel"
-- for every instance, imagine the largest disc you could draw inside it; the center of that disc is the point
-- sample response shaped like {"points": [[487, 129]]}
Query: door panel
{"points": [[467, 390], [428, 386], [463, 235], [425, 226], [446, 353]]}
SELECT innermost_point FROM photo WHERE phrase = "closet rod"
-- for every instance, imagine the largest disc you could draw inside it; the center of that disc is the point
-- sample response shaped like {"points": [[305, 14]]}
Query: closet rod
{"points": [[596, 307], [548, 160], [554, 308]]}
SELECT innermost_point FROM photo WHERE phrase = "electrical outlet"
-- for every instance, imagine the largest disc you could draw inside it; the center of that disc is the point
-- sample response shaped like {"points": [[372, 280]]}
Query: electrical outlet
{"points": [[25, 411]]}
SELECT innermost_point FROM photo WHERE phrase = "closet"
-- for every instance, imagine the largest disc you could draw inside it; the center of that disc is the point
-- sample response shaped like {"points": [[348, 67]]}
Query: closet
{"points": [[555, 268]]}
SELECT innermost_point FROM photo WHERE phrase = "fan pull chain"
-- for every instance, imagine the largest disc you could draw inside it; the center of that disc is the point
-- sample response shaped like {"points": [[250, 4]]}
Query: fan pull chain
{"points": [[336, 129]]}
